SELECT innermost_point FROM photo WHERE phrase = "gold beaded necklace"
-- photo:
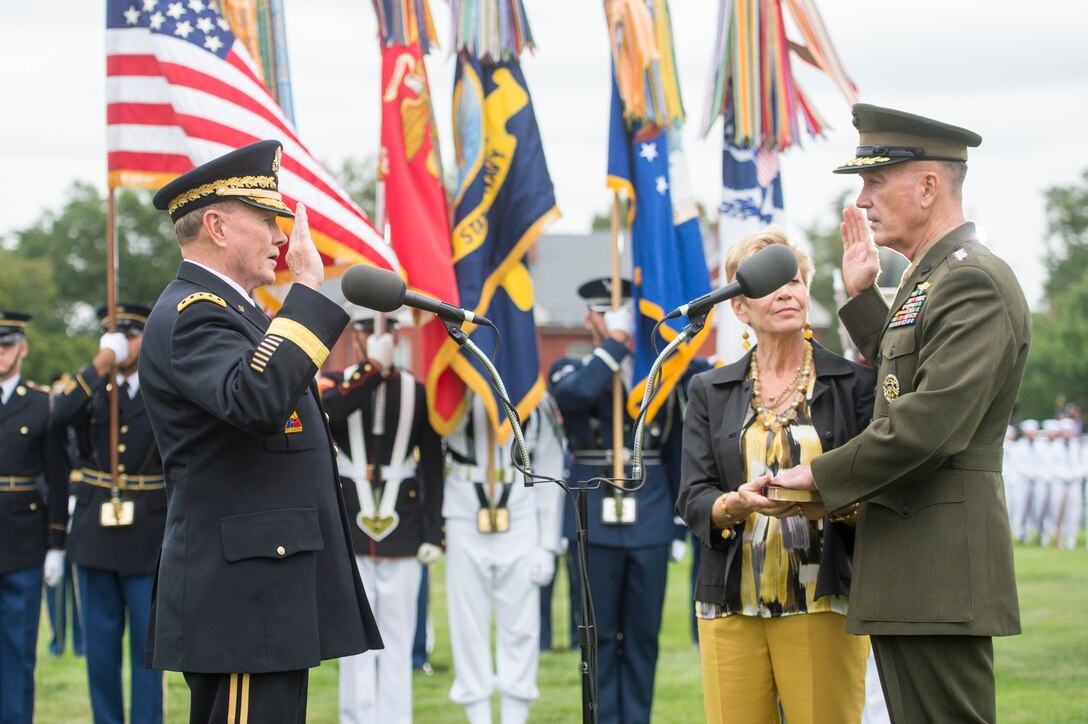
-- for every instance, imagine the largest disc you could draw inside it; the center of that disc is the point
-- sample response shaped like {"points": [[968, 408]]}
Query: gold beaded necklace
{"points": [[765, 412]]}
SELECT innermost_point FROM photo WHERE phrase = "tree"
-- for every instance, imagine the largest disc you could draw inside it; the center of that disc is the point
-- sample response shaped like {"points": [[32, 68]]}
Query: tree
{"points": [[73, 241], [1057, 365], [56, 270], [360, 180], [1067, 236], [826, 244], [28, 286]]}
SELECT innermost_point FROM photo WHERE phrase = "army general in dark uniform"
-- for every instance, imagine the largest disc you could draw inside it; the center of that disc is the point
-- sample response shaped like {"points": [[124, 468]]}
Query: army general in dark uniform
{"points": [[257, 581], [933, 565]]}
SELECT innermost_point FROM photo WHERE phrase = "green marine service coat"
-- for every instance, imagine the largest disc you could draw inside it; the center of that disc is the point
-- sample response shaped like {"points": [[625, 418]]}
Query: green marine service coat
{"points": [[933, 553]]}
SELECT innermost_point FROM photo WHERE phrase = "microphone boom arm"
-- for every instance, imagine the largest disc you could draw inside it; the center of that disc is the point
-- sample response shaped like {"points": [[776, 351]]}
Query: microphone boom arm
{"points": [[463, 340], [693, 328]]}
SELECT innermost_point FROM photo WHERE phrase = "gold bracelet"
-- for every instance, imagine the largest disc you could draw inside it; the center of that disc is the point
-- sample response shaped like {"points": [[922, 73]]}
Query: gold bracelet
{"points": [[729, 521]]}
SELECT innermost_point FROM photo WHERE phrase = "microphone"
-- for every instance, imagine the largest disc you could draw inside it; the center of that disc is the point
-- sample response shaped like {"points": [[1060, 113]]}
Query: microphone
{"points": [[757, 276], [384, 291]]}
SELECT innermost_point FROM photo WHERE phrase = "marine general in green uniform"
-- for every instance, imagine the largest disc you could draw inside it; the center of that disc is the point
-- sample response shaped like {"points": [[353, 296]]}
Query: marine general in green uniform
{"points": [[933, 565]]}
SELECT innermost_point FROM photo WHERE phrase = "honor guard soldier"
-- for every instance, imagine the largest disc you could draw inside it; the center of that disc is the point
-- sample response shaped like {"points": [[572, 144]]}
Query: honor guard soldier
{"points": [[32, 527], [257, 580], [933, 578], [501, 543], [631, 535], [117, 524], [391, 469]]}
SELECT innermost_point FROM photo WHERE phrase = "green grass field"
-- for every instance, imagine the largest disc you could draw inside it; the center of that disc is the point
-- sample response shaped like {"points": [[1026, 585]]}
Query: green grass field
{"points": [[1041, 674]]}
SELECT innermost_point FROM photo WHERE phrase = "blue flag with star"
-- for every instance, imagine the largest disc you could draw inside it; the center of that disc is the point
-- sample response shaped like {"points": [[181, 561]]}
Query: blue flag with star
{"points": [[646, 164]]}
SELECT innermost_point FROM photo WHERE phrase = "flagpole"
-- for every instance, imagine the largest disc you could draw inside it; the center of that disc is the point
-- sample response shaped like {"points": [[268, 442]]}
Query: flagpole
{"points": [[617, 382], [111, 316]]}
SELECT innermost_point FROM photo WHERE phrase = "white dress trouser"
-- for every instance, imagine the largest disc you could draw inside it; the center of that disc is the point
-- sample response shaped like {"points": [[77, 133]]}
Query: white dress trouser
{"points": [[376, 686], [1064, 509], [487, 574]]}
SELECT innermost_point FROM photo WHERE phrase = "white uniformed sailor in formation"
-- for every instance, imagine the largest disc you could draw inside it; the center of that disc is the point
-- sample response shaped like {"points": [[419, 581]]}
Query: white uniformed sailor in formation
{"points": [[501, 543], [1045, 468]]}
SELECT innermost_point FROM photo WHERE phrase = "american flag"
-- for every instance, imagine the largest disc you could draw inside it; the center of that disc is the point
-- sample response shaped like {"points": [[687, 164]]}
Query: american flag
{"points": [[180, 91]]}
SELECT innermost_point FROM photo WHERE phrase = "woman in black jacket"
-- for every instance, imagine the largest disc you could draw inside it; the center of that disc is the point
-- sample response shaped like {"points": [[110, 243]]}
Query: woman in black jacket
{"points": [[774, 577]]}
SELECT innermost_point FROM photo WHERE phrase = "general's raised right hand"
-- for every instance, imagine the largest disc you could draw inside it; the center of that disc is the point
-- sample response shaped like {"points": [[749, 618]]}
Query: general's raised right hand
{"points": [[860, 262], [302, 256]]}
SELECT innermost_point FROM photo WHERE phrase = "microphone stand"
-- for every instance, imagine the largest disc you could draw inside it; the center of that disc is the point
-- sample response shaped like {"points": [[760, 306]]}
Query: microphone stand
{"points": [[695, 325], [457, 335], [587, 635]]}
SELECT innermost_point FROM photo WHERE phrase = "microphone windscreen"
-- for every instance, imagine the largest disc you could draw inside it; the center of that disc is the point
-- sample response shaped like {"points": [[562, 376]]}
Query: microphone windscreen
{"points": [[766, 270], [373, 288]]}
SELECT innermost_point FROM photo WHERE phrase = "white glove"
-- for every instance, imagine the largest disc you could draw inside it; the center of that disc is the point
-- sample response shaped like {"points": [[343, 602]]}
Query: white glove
{"points": [[621, 320], [379, 347], [677, 550], [428, 553], [53, 571], [117, 343], [541, 567], [564, 545]]}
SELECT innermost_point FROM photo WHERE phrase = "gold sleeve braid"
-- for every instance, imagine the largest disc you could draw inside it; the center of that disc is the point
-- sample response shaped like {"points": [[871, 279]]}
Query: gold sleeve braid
{"points": [[306, 340]]}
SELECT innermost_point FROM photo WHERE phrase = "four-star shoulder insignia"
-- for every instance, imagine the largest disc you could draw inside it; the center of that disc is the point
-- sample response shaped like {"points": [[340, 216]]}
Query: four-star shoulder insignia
{"points": [[202, 297]]}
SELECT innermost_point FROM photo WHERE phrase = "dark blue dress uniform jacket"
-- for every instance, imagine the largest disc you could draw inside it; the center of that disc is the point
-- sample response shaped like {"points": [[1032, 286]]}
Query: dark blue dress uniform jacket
{"points": [[419, 500], [30, 448], [257, 573], [128, 550], [583, 391]]}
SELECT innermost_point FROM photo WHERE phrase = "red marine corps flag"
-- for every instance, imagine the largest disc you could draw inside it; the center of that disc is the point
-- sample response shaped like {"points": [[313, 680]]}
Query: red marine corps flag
{"points": [[411, 170]]}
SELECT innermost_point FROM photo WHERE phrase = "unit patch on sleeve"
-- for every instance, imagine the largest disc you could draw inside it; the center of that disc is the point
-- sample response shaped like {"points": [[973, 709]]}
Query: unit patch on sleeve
{"points": [[908, 313], [293, 423]]}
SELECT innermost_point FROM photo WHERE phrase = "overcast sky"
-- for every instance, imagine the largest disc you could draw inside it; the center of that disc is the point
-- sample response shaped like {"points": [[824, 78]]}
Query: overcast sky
{"points": [[1017, 73]]}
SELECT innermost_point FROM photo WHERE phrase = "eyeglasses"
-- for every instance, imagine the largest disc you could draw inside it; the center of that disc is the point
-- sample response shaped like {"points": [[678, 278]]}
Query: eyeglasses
{"points": [[133, 332]]}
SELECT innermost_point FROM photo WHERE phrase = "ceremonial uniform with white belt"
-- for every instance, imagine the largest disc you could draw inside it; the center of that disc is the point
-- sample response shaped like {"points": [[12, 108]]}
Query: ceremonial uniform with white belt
{"points": [[501, 543], [390, 465], [31, 461], [116, 530]]}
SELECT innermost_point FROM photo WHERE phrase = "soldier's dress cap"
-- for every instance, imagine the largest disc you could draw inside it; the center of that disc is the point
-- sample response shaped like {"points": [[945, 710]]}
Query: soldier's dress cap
{"points": [[598, 292], [127, 315], [12, 325], [887, 136], [1029, 426], [1052, 426], [367, 324], [249, 174]]}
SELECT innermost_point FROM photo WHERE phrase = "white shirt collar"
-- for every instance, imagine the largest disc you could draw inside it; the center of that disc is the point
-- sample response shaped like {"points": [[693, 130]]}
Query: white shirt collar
{"points": [[235, 285], [133, 381], [7, 387]]}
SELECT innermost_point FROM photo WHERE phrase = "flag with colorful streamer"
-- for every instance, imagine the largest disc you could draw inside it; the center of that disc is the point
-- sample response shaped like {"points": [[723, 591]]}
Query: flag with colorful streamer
{"points": [[646, 164], [410, 167], [259, 25], [182, 90], [504, 201], [752, 80], [752, 85]]}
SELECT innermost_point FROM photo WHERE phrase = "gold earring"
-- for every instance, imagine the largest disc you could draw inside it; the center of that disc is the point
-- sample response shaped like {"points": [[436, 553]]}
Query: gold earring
{"points": [[746, 344], [808, 331]]}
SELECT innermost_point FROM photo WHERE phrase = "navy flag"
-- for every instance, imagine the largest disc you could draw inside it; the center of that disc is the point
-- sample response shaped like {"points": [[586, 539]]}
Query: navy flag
{"points": [[504, 201]]}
